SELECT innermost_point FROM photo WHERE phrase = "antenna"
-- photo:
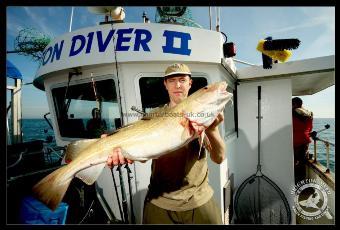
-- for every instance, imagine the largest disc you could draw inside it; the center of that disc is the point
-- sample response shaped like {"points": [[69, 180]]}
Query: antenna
{"points": [[145, 18], [218, 13], [71, 19], [209, 17]]}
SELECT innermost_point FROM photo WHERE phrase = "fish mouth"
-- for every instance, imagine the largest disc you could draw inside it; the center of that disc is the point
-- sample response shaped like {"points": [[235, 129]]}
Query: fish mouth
{"points": [[223, 91]]}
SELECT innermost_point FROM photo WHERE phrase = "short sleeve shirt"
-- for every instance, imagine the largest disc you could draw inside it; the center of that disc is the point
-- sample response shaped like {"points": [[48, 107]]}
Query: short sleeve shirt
{"points": [[179, 180]]}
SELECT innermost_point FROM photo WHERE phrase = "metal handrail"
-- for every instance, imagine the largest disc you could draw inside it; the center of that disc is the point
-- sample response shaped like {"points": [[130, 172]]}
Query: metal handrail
{"points": [[327, 144], [313, 135]]}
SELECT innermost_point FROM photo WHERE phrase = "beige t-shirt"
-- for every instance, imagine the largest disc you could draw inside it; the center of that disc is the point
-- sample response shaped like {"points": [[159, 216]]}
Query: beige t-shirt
{"points": [[179, 180]]}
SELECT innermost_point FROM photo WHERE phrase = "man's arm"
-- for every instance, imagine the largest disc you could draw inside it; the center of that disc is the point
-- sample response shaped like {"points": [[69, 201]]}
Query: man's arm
{"points": [[217, 144]]}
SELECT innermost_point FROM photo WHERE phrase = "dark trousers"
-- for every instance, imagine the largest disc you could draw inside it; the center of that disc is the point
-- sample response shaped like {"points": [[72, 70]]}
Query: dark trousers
{"points": [[300, 159]]}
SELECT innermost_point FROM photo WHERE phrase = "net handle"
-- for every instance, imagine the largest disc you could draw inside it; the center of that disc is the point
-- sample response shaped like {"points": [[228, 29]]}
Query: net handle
{"points": [[259, 117]]}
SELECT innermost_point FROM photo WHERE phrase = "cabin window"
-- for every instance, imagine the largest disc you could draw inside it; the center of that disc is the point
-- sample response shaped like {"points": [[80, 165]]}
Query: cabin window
{"points": [[154, 94], [87, 110]]}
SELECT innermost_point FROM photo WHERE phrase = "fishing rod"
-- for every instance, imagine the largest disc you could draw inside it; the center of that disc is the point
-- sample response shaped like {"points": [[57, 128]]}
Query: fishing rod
{"points": [[98, 100], [134, 108], [124, 201], [326, 127], [314, 133], [115, 185], [314, 136], [128, 172]]}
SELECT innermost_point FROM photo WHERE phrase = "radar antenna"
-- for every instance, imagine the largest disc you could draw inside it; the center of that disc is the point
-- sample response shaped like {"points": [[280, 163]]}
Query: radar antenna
{"points": [[116, 13]]}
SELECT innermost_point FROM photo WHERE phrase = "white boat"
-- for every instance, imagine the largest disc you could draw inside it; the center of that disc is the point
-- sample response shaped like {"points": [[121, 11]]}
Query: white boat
{"points": [[126, 61]]}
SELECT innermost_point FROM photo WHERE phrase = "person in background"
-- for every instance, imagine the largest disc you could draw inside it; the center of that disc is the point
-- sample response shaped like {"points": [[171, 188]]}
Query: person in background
{"points": [[96, 126], [302, 127], [179, 192]]}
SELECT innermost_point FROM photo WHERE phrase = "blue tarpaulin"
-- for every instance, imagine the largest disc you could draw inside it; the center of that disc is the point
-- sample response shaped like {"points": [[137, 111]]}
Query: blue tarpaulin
{"points": [[32, 211], [12, 71]]}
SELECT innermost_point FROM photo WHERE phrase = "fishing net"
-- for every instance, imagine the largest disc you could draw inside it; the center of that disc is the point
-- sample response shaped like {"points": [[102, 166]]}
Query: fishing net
{"points": [[260, 201], [31, 42], [175, 15]]}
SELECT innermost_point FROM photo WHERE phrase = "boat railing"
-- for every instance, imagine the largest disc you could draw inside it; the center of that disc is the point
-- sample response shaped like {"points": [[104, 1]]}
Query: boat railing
{"points": [[327, 144], [315, 155]]}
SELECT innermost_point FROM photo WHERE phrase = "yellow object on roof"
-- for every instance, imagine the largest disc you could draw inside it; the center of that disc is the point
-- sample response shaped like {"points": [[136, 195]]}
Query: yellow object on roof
{"points": [[281, 55]]}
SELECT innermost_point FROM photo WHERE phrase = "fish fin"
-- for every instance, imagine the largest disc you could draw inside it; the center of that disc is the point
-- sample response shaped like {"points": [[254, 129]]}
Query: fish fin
{"points": [[52, 188], [201, 140], [207, 143], [90, 175], [130, 157], [204, 140], [188, 131], [74, 148]]}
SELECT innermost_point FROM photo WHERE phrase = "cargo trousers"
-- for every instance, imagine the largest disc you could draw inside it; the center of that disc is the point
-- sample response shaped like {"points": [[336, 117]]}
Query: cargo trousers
{"points": [[209, 213]]}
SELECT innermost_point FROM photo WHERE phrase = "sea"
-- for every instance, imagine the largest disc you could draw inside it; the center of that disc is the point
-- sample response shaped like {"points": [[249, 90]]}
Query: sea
{"points": [[34, 129]]}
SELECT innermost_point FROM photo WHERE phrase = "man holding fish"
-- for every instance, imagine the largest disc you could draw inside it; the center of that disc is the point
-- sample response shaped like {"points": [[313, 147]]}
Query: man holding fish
{"points": [[179, 192]]}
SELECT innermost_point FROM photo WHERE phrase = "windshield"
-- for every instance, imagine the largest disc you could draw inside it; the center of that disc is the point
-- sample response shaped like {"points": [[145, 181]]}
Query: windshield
{"points": [[87, 110]]}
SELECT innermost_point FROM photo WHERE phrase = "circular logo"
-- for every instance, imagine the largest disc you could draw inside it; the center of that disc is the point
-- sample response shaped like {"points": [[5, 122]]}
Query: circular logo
{"points": [[311, 197]]}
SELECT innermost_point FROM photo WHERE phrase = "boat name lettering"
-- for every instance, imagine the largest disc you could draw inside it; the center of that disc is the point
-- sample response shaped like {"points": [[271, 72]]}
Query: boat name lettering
{"points": [[140, 39]]}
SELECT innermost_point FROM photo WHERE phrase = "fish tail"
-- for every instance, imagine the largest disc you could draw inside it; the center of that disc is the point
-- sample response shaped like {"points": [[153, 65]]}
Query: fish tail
{"points": [[52, 188]]}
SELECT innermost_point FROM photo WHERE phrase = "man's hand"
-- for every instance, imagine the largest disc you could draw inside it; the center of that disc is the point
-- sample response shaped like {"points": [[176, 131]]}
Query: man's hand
{"points": [[116, 157], [217, 150], [217, 121]]}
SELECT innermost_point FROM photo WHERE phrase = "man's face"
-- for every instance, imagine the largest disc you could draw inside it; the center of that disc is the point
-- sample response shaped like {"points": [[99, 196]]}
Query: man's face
{"points": [[178, 87]]}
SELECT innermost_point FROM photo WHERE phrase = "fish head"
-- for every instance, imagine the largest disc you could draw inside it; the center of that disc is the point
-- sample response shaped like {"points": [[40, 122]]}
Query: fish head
{"points": [[203, 106]]}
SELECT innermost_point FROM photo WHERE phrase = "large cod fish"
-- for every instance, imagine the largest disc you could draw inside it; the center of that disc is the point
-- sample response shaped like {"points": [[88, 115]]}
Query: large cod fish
{"points": [[158, 133]]}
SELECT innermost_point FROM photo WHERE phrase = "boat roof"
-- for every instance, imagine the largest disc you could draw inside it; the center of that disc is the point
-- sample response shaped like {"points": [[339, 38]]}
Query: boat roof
{"points": [[308, 76]]}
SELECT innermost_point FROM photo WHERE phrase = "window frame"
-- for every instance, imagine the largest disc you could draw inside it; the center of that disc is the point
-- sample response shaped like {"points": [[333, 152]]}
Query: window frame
{"points": [[74, 82], [159, 74]]}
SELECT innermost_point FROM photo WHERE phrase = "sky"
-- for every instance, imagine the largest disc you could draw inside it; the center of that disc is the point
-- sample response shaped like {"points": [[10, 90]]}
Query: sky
{"points": [[245, 26]]}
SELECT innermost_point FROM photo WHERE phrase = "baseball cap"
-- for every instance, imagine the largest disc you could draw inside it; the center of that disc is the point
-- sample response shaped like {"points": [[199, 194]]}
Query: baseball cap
{"points": [[177, 68]]}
